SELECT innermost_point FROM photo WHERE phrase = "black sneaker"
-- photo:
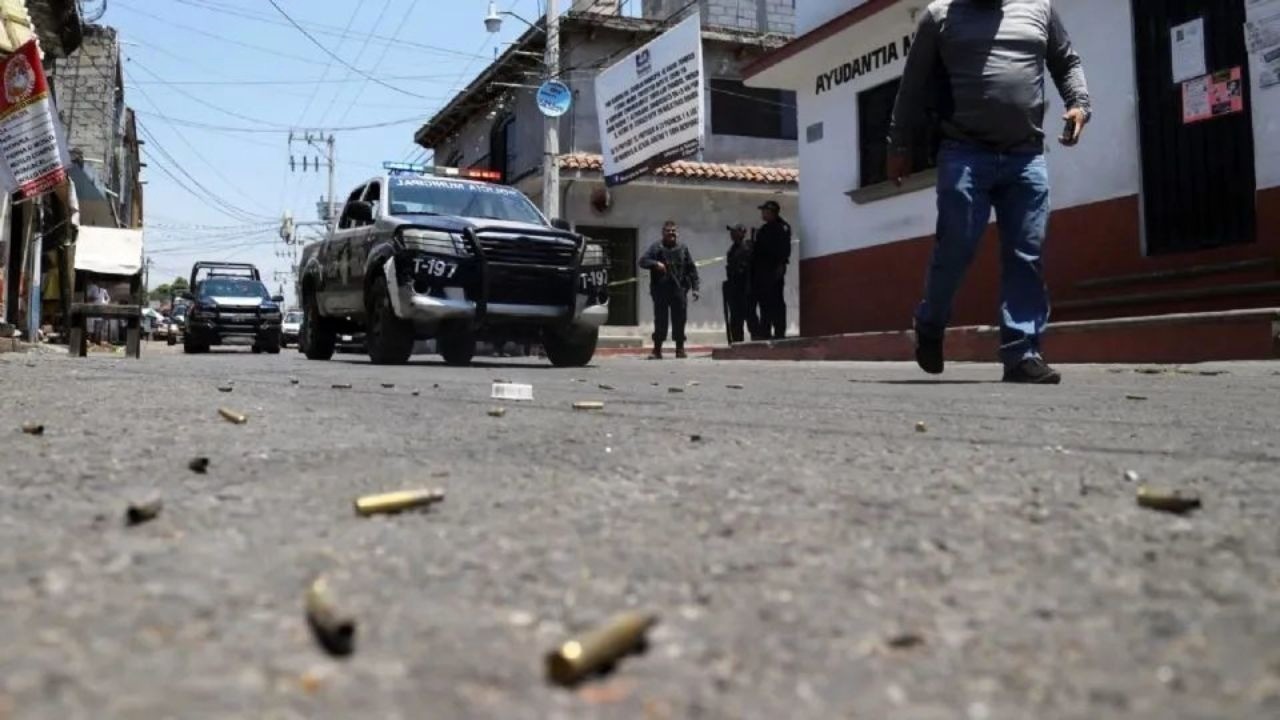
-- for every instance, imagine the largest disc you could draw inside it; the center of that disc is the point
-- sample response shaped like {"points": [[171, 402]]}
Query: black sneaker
{"points": [[1032, 371], [929, 354]]}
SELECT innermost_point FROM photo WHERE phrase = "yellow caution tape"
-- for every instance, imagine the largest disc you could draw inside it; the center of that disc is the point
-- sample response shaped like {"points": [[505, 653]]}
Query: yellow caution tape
{"points": [[700, 263]]}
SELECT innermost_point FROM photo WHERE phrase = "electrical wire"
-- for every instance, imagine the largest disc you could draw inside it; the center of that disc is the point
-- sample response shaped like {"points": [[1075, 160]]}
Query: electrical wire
{"points": [[280, 131], [404, 21], [322, 29], [315, 90], [342, 62]]}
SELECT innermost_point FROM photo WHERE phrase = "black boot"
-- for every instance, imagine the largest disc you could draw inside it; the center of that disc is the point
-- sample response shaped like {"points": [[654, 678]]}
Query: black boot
{"points": [[657, 352], [680, 351]]}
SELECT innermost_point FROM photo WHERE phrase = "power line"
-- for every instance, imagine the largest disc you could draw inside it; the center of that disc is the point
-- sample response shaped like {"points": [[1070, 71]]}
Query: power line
{"points": [[321, 29], [344, 63], [298, 81], [229, 209], [404, 20], [281, 131], [315, 90]]}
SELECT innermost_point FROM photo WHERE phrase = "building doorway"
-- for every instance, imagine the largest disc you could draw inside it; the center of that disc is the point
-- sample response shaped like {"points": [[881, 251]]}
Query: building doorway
{"points": [[623, 288], [1198, 181]]}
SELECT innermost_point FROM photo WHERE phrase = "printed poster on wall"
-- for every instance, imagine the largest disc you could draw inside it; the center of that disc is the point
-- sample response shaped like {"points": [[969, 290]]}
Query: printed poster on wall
{"points": [[650, 105], [1211, 96], [1262, 27], [32, 161], [1187, 49]]}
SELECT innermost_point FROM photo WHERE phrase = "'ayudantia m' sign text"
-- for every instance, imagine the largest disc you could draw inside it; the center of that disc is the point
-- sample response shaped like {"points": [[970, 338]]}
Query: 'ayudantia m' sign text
{"points": [[882, 56]]}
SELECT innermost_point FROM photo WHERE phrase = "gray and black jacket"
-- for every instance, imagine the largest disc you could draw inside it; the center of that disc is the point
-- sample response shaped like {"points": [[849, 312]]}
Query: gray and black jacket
{"points": [[979, 66]]}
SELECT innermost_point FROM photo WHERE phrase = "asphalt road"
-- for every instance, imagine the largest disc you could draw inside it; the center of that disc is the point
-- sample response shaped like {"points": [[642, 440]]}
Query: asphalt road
{"points": [[814, 555]]}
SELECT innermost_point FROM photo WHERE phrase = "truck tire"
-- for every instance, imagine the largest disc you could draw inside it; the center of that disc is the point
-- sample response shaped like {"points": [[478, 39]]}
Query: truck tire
{"points": [[270, 343], [570, 349], [191, 347], [388, 339], [317, 339], [456, 343]]}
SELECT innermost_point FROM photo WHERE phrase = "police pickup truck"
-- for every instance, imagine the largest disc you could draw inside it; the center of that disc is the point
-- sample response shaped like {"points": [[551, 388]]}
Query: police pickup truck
{"points": [[421, 253]]}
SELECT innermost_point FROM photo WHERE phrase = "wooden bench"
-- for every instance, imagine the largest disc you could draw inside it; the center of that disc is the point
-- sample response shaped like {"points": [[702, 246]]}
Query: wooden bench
{"points": [[80, 314]]}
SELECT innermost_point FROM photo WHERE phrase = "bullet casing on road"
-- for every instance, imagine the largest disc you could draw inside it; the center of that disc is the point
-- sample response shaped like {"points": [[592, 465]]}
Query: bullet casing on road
{"points": [[334, 630], [33, 428], [599, 649], [199, 465], [232, 416], [394, 502], [588, 405], [1171, 501], [143, 511]]}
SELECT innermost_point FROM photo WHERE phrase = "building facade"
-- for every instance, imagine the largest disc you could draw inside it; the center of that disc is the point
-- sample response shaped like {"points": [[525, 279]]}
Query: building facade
{"points": [[1161, 209], [749, 155]]}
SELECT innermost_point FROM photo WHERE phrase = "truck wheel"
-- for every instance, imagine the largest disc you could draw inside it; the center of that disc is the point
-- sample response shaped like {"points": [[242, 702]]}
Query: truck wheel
{"points": [[389, 339], [317, 338], [270, 343], [191, 347], [456, 344], [570, 348]]}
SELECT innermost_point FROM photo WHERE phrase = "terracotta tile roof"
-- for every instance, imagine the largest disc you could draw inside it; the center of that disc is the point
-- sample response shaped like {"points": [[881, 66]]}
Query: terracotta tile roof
{"points": [[697, 170]]}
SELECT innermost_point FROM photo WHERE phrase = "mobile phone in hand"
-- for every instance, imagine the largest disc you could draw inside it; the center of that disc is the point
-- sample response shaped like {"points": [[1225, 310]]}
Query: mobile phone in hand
{"points": [[1069, 131]]}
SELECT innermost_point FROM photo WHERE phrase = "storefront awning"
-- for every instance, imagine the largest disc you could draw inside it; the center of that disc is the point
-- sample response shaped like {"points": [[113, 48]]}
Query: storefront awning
{"points": [[109, 251]]}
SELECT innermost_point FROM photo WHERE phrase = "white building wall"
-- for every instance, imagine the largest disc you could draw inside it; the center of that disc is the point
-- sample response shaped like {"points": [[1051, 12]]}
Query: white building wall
{"points": [[812, 13], [1104, 166]]}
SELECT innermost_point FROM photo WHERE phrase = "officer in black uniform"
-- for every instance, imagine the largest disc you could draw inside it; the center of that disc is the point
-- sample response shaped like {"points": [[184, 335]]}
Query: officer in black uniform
{"points": [[672, 275], [737, 286], [770, 255]]}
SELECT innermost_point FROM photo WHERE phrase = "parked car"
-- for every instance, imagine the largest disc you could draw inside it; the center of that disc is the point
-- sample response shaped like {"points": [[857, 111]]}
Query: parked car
{"points": [[290, 328], [419, 254], [177, 323], [231, 306]]}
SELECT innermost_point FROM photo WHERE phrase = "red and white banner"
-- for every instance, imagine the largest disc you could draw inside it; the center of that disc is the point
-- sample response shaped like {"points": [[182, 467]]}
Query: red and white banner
{"points": [[32, 160]]}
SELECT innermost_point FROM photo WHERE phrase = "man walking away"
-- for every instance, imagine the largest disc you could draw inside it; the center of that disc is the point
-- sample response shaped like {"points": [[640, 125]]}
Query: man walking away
{"points": [[737, 286], [770, 255], [990, 57], [672, 274]]}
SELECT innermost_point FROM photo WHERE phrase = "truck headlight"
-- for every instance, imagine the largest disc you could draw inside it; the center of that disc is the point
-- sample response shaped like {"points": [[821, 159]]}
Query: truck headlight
{"points": [[593, 255], [434, 241]]}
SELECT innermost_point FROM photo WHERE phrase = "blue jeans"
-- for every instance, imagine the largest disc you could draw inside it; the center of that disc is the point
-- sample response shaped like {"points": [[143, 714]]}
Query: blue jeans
{"points": [[971, 181]]}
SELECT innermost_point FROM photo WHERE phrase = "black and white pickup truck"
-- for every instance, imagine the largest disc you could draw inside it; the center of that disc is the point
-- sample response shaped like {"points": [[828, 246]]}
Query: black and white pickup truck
{"points": [[416, 255]]}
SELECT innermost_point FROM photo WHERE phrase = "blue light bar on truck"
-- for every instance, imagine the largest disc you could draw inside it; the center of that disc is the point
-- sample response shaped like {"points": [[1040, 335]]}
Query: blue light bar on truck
{"points": [[400, 168]]}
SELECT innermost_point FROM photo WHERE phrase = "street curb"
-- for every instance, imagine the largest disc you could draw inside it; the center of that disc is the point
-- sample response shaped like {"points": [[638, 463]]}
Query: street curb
{"points": [[1173, 339]]}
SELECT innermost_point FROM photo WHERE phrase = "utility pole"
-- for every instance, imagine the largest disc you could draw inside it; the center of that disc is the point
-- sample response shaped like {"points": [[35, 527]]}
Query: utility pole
{"points": [[551, 147], [321, 144]]}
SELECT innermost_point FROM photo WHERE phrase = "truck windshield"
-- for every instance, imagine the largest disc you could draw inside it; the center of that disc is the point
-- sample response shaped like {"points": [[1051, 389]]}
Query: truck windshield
{"points": [[233, 287], [431, 196]]}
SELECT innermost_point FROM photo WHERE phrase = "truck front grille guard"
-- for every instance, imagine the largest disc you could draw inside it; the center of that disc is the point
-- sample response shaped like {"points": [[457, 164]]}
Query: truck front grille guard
{"points": [[472, 236]]}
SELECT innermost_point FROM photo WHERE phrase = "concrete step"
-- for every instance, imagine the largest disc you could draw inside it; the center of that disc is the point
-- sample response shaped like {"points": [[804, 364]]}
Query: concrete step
{"points": [[1180, 338]]}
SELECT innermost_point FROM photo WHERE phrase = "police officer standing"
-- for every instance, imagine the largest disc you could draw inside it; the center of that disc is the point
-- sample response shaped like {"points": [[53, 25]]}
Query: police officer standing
{"points": [[672, 274], [770, 255], [737, 286]]}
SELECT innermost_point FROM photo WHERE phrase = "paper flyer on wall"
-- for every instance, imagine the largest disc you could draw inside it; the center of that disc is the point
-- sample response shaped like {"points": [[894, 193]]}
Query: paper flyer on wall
{"points": [[1262, 26], [32, 159], [1186, 48], [1211, 96]]}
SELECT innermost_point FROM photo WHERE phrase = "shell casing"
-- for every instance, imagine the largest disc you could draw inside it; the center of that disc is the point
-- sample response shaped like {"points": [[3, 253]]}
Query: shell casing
{"points": [[143, 511], [588, 405], [1167, 501], [497, 412], [599, 649], [395, 502], [33, 428], [335, 631], [199, 465], [232, 416]]}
